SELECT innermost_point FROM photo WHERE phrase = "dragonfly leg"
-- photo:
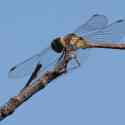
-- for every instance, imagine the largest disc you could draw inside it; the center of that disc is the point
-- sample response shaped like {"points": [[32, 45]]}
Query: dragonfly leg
{"points": [[34, 74], [75, 58], [77, 61]]}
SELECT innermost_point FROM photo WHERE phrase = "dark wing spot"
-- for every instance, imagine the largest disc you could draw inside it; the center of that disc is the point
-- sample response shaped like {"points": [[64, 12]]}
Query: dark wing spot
{"points": [[95, 15], [121, 20], [13, 68]]}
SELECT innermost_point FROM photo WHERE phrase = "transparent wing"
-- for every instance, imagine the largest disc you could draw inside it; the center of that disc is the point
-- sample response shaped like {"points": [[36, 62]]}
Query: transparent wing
{"points": [[25, 68], [96, 22], [82, 56], [114, 32], [46, 68]]}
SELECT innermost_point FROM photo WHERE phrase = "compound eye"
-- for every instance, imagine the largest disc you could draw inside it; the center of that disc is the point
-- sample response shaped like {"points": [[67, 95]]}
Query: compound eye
{"points": [[56, 45]]}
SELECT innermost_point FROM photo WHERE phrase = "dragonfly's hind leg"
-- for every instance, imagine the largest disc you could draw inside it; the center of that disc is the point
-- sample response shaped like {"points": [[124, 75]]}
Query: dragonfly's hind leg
{"points": [[34, 74], [77, 62]]}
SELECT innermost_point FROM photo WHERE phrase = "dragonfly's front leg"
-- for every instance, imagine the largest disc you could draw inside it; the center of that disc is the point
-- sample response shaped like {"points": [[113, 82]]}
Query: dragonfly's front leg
{"points": [[70, 53]]}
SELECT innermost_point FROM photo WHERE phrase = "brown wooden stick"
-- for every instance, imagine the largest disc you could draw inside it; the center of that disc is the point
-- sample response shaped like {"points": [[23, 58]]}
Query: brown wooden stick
{"points": [[30, 90]]}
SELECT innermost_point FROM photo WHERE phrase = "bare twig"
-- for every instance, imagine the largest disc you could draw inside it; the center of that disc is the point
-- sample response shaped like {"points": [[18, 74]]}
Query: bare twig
{"points": [[60, 68], [31, 89]]}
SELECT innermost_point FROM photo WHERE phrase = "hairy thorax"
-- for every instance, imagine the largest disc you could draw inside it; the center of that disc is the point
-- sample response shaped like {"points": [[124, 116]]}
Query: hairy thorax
{"points": [[73, 39]]}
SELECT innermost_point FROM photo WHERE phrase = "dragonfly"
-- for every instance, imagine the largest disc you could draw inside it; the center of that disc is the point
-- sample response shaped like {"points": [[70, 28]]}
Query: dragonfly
{"points": [[95, 29]]}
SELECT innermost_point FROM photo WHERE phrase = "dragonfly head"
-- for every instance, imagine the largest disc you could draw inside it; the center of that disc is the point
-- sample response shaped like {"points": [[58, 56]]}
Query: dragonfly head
{"points": [[57, 45]]}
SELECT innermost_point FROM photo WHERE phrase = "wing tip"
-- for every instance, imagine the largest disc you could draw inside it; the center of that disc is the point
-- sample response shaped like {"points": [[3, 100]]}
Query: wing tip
{"points": [[96, 14], [120, 20], [12, 69], [11, 72]]}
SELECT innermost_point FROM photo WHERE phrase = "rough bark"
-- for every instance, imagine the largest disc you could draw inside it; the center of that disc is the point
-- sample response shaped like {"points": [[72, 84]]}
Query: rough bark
{"points": [[31, 89]]}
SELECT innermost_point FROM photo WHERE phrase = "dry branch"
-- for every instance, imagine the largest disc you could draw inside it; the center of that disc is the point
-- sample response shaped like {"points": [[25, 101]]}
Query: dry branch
{"points": [[30, 90], [26, 93]]}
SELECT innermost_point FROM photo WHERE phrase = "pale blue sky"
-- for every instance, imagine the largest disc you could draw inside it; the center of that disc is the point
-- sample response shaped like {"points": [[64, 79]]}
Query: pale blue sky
{"points": [[91, 95]]}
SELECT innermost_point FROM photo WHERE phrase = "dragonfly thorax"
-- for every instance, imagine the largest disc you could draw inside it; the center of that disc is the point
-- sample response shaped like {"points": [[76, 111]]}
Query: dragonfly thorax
{"points": [[60, 43], [76, 41]]}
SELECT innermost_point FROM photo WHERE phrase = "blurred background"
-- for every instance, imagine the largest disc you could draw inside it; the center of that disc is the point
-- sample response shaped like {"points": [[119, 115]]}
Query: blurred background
{"points": [[91, 95]]}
